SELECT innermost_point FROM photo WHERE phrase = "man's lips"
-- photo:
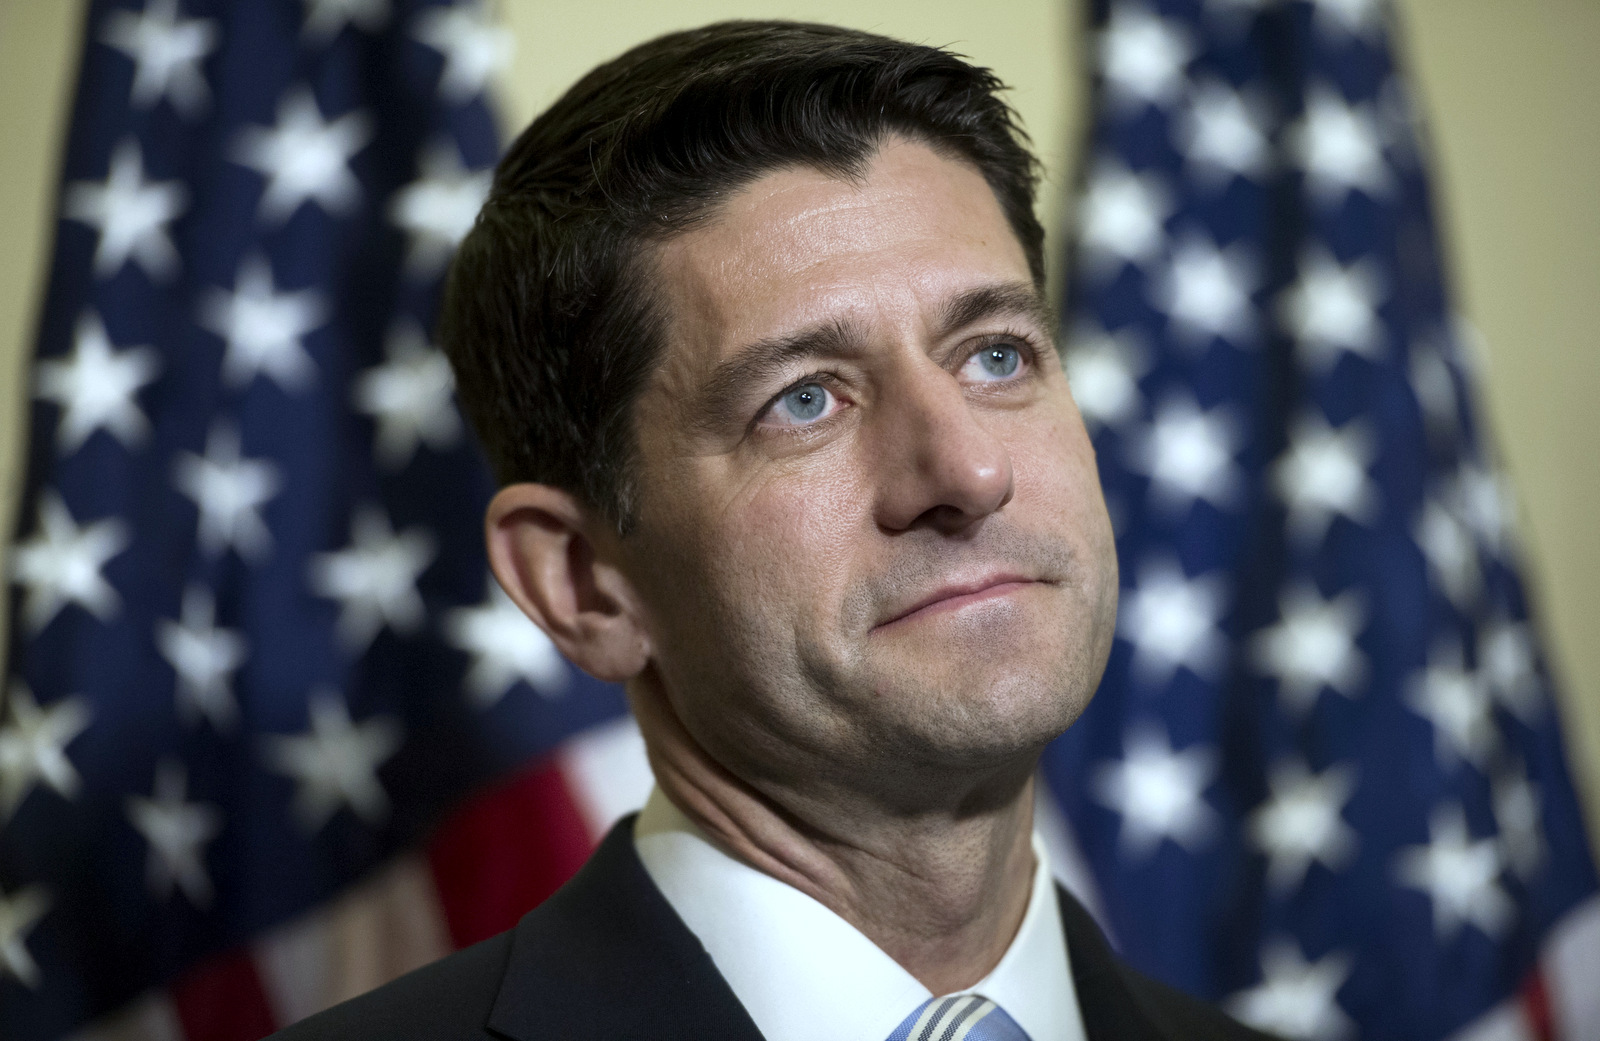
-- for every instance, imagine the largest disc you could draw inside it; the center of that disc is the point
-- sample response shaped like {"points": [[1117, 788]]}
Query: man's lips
{"points": [[958, 595]]}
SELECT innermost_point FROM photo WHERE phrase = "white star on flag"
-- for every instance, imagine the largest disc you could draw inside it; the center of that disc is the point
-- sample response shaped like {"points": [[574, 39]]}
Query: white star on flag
{"points": [[1485, 502], [204, 658], [1460, 877], [94, 387], [19, 913], [33, 747], [1312, 646], [1352, 17], [1300, 823], [375, 579], [1188, 454], [1205, 293], [335, 762], [438, 208], [304, 157], [1120, 217], [1172, 622], [1103, 370], [229, 491], [1453, 700], [176, 832], [1142, 56], [1339, 147], [1399, 125], [505, 647], [1296, 999], [1434, 384], [1323, 475], [1222, 134], [1506, 662], [410, 397], [61, 564], [1157, 791], [166, 52], [1332, 309], [130, 214], [1517, 816], [1451, 553], [263, 328], [473, 49], [325, 19]]}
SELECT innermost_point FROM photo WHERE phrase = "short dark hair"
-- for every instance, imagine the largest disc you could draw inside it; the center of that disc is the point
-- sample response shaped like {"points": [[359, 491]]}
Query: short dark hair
{"points": [[548, 318]]}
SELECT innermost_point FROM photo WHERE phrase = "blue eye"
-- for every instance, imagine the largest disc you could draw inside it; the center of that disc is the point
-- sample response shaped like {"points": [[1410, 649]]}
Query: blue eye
{"points": [[801, 405], [996, 362]]}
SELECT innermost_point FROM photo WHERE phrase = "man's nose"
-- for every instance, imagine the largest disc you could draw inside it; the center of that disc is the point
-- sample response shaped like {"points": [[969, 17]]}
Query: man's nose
{"points": [[939, 465]]}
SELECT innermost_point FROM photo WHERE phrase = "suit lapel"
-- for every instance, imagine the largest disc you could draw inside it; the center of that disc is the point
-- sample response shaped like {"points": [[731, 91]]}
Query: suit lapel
{"points": [[1111, 1011], [607, 957]]}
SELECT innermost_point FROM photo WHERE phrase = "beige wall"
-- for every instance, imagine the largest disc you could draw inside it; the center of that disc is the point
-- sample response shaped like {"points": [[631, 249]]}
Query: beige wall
{"points": [[1513, 90], [38, 56], [1512, 86]]}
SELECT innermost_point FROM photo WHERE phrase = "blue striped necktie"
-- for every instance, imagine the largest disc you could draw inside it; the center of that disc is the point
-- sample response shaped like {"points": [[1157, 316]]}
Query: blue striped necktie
{"points": [[960, 1017]]}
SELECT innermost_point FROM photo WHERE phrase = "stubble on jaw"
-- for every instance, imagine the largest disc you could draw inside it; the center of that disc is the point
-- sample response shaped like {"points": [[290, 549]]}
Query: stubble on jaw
{"points": [[915, 725]]}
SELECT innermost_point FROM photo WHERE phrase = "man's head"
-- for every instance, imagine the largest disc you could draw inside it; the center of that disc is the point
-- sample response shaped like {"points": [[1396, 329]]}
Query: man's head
{"points": [[865, 543], [550, 316]]}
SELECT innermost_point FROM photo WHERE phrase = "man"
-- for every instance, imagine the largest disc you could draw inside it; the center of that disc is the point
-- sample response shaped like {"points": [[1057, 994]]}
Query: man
{"points": [[751, 327]]}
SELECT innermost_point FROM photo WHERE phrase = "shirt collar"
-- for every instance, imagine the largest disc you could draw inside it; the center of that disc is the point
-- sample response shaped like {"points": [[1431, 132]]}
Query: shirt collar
{"points": [[803, 972]]}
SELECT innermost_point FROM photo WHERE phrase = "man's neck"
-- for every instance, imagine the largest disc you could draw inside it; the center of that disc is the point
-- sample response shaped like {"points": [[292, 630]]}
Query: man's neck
{"points": [[941, 892]]}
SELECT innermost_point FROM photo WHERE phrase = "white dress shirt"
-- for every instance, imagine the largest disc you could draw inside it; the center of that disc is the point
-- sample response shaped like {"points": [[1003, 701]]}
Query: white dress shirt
{"points": [[804, 973]]}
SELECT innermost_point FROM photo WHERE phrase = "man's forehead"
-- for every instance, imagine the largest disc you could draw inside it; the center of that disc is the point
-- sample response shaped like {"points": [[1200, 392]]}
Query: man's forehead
{"points": [[799, 247]]}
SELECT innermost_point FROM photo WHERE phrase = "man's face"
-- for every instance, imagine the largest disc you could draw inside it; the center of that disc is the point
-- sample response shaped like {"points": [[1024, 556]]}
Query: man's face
{"points": [[871, 541]]}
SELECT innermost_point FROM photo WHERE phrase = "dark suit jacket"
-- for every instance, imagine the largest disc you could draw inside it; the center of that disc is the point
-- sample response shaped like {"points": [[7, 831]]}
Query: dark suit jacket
{"points": [[608, 958]]}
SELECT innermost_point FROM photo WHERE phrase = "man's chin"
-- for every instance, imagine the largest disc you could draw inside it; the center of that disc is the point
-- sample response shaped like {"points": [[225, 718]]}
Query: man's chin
{"points": [[971, 709], [958, 755]]}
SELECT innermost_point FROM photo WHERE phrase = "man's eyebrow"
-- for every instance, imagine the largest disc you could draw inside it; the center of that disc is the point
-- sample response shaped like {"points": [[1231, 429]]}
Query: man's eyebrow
{"points": [[755, 362], [1003, 299]]}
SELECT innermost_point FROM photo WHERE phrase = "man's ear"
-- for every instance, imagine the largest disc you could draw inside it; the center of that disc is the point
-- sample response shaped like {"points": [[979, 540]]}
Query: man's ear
{"points": [[542, 549]]}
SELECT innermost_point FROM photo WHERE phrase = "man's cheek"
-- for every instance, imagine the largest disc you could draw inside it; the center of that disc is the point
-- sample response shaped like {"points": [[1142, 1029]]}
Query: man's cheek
{"points": [[1044, 471], [795, 545], [1055, 442], [805, 501]]}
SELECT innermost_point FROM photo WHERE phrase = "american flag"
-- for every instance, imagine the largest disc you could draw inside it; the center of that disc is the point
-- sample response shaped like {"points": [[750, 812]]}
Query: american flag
{"points": [[256, 661], [1323, 780], [255, 658]]}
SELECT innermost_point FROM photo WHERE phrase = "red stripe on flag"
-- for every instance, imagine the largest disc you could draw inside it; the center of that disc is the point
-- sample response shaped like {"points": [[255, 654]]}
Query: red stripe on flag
{"points": [[1536, 1008], [505, 851], [222, 999]]}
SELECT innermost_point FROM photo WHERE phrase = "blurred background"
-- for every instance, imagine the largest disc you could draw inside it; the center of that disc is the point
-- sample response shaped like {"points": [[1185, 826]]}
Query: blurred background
{"points": [[1508, 93]]}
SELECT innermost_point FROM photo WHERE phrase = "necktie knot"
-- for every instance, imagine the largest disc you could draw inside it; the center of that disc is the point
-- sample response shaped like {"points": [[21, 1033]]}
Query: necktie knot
{"points": [[959, 1017]]}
